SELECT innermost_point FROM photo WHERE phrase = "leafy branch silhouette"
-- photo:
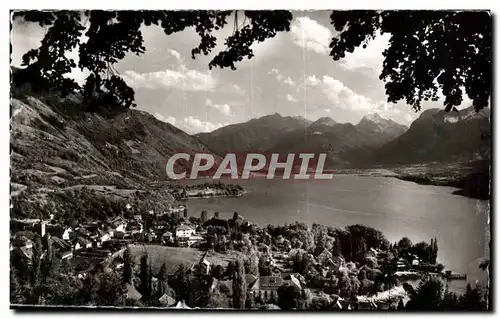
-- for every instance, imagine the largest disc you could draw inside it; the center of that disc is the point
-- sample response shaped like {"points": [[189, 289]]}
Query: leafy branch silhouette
{"points": [[428, 50]]}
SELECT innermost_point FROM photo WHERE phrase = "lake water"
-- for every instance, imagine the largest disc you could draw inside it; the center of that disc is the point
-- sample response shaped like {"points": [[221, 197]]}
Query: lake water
{"points": [[397, 208]]}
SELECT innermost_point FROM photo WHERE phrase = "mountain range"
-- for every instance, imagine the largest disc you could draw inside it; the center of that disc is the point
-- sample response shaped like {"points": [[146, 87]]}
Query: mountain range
{"points": [[434, 136], [278, 134]]}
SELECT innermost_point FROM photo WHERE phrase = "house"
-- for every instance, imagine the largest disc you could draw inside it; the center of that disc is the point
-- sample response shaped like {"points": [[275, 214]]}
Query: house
{"points": [[177, 209], [61, 247], [167, 237], [402, 264], [67, 233], [102, 236], [193, 240], [91, 227], [167, 301], [132, 293], [83, 232], [183, 231], [119, 224], [182, 242], [81, 242], [204, 267], [136, 228], [110, 230], [266, 287]]}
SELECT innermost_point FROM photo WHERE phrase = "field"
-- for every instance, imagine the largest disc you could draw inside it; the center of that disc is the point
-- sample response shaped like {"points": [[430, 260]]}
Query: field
{"points": [[173, 257]]}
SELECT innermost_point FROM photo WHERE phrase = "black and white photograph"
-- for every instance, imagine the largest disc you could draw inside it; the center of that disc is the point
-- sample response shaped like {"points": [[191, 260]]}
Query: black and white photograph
{"points": [[251, 160]]}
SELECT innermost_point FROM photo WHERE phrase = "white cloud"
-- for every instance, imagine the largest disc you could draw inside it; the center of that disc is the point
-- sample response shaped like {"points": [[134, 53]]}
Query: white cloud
{"points": [[195, 125], [312, 80], [223, 108], [310, 35], [339, 95], [237, 89], [290, 98], [289, 81], [175, 54], [367, 58], [281, 78], [327, 110], [182, 79], [343, 96], [169, 119]]}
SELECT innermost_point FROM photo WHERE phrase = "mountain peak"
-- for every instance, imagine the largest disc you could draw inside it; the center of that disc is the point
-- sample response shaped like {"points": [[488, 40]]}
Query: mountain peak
{"points": [[373, 118], [299, 117], [275, 115], [325, 120]]}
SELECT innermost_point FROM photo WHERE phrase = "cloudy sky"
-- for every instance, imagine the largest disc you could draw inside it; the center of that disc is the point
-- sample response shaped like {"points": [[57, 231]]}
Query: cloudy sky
{"points": [[291, 74]]}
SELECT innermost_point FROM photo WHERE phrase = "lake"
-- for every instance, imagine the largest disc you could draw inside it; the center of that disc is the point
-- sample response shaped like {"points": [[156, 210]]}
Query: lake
{"points": [[395, 207]]}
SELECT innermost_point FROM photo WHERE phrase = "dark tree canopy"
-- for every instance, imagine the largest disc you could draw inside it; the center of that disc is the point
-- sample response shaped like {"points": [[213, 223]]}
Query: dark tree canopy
{"points": [[428, 50]]}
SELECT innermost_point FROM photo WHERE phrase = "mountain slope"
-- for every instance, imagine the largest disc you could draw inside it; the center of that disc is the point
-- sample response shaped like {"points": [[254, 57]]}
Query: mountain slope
{"points": [[385, 130], [342, 142], [255, 135], [326, 121], [55, 153], [438, 136]]}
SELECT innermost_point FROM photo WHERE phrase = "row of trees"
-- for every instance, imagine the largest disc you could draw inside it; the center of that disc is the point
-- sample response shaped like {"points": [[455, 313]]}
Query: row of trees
{"points": [[433, 294], [427, 253]]}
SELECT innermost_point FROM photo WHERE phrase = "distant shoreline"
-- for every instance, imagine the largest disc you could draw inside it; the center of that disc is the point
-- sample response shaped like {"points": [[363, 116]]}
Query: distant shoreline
{"points": [[212, 196]]}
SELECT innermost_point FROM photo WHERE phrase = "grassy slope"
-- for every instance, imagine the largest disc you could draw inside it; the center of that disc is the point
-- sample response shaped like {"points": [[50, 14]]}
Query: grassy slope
{"points": [[173, 257], [53, 152]]}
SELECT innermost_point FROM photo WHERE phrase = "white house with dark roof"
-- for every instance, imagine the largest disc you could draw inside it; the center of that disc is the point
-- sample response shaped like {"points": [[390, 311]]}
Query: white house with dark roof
{"points": [[183, 231], [82, 242], [119, 224], [67, 233], [266, 287]]}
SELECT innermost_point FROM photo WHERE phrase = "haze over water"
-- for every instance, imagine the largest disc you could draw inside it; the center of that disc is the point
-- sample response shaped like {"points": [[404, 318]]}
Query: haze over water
{"points": [[395, 207]]}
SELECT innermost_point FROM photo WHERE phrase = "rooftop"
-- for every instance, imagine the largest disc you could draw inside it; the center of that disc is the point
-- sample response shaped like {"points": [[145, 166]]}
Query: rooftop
{"points": [[183, 227]]}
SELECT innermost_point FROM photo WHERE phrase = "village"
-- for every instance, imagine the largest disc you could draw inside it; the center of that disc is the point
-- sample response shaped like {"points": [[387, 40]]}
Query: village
{"points": [[278, 259]]}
